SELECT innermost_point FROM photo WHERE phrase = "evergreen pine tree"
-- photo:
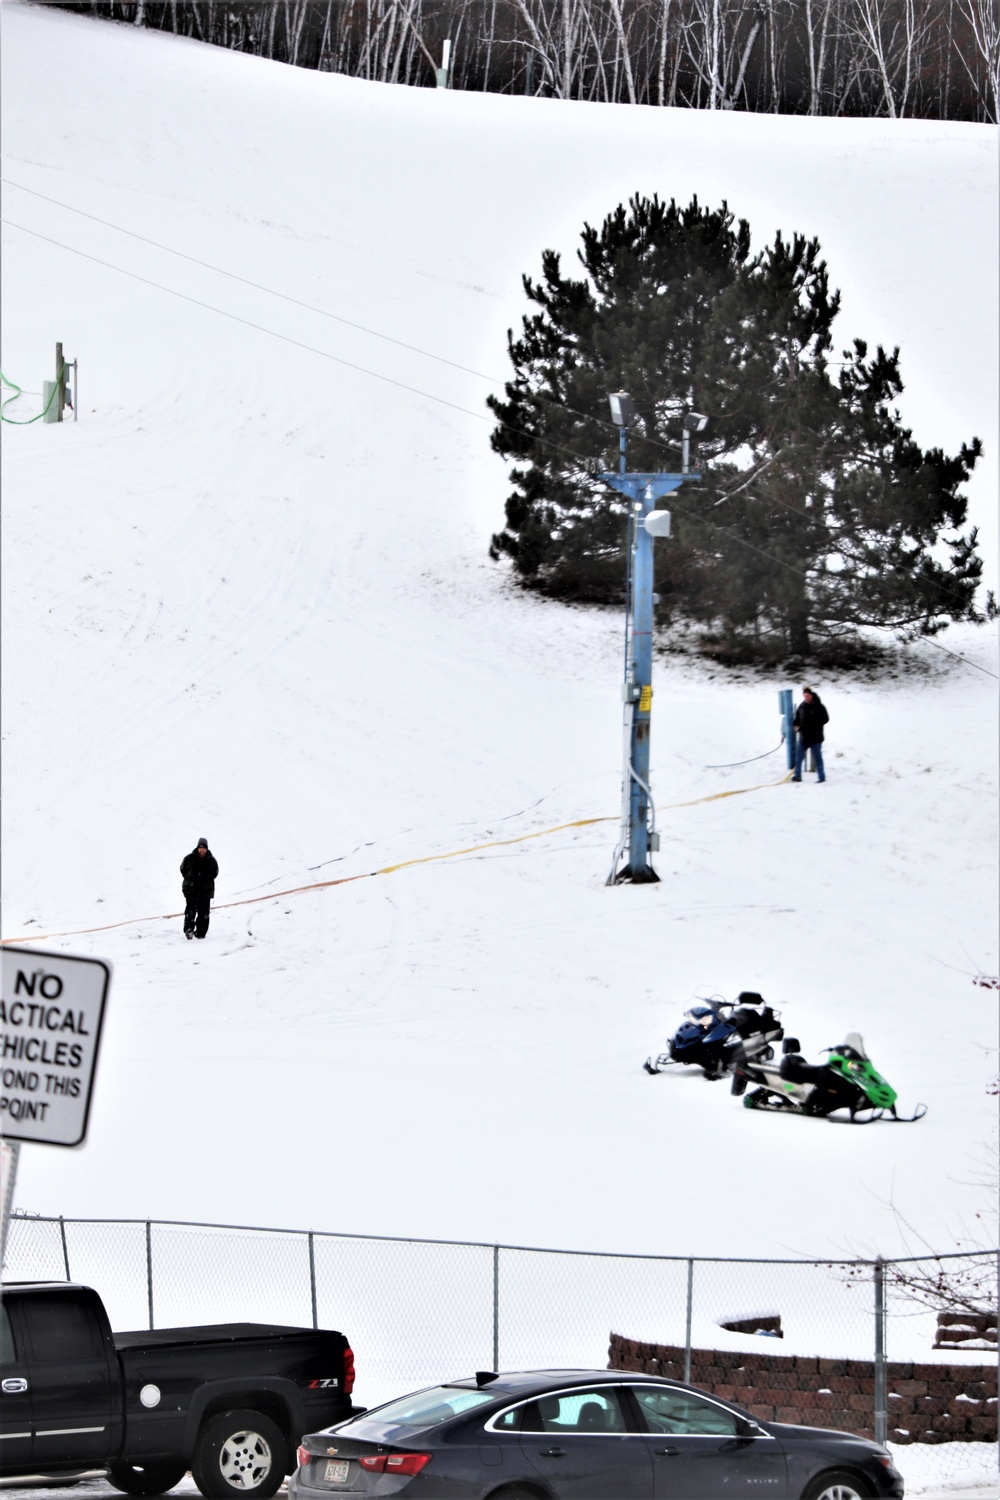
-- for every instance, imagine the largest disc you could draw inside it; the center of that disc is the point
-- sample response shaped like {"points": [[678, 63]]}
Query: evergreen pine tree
{"points": [[817, 512]]}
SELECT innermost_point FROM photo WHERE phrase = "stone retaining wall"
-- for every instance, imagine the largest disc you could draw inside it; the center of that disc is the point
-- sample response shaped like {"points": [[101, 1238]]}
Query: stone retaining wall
{"points": [[926, 1403]]}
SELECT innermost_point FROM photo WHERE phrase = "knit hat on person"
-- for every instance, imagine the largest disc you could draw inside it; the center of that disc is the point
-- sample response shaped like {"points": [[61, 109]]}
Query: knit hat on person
{"points": [[202, 844]]}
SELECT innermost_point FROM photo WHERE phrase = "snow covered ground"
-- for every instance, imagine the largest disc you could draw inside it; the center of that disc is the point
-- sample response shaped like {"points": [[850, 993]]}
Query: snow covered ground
{"points": [[247, 596]]}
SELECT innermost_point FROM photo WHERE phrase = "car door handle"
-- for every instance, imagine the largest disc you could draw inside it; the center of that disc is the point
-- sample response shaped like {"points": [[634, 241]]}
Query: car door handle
{"points": [[666, 1452], [14, 1387], [553, 1452]]}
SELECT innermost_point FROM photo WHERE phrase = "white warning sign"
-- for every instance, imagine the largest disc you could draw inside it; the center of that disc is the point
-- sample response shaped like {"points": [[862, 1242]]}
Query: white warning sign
{"points": [[51, 1014]]}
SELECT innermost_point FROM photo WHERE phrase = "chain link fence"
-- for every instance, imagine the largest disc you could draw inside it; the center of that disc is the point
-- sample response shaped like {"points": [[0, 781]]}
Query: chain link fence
{"points": [[793, 1335]]}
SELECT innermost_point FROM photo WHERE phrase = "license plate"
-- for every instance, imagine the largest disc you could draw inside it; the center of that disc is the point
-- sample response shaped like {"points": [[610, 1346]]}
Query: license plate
{"points": [[336, 1471]]}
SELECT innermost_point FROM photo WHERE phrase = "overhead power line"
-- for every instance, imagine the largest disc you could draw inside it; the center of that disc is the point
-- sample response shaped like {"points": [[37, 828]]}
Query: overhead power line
{"points": [[390, 380], [339, 359], [364, 370], [744, 482], [969, 663], [248, 322], [256, 285], [323, 312]]}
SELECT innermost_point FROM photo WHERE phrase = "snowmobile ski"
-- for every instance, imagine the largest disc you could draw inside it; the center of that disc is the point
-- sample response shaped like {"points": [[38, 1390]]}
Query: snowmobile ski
{"points": [[764, 1101]]}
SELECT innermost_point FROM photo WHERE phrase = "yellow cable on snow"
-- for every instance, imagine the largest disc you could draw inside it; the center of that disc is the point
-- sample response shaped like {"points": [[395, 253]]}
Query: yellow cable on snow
{"points": [[405, 864], [521, 838]]}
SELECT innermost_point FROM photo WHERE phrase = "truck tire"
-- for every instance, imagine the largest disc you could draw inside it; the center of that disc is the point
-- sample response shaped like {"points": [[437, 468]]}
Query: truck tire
{"points": [[146, 1479], [239, 1453]]}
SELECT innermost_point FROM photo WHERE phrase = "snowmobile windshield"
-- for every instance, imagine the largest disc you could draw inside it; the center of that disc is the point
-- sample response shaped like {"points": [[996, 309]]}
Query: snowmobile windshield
{"points": [[848, 1059]]}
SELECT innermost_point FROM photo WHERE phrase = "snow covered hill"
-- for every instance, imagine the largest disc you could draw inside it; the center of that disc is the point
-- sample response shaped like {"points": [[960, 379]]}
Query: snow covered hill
{"points": [[247, 596]]}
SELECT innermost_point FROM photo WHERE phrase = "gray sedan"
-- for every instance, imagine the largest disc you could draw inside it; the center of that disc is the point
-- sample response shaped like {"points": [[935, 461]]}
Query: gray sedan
{"points": [[583, 1435]]}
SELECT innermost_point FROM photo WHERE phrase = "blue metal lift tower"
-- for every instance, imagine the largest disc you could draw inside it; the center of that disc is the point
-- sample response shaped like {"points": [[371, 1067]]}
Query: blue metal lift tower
{"points": [[638, 836]]}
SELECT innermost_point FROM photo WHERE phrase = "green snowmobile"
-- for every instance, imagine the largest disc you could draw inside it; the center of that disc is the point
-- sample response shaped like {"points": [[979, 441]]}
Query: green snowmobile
{"points": [[847, 1080]]}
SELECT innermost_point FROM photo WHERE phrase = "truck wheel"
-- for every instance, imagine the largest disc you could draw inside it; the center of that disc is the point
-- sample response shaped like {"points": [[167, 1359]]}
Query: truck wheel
{"points": [[146, 1479], [239, 1452]]}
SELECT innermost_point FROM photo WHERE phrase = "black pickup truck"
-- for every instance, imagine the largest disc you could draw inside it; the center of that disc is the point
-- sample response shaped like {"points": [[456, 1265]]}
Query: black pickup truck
{"points": [[229, 1402]]}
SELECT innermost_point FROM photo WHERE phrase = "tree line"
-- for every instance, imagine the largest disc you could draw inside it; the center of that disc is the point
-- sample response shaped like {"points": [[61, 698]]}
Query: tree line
{"points": [[929, 59]]}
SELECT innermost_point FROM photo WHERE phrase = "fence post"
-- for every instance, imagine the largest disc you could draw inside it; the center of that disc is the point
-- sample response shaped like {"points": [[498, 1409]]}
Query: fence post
{"points": [[149, 1270], [496, 1307], [62, 1236], [312, 1279], [880, 1402], [687, 1324]]}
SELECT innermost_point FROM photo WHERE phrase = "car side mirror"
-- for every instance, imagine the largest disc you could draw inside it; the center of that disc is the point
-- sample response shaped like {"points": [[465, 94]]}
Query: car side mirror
{"points": [[747, 1429]]}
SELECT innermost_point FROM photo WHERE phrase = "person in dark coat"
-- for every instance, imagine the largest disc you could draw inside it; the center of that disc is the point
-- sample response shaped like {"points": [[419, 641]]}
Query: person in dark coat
{"points": [[198, 874], [810, 716]]}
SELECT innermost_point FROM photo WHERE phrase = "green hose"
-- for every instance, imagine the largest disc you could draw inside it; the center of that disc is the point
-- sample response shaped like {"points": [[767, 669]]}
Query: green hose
{"points": [[16, 421]]}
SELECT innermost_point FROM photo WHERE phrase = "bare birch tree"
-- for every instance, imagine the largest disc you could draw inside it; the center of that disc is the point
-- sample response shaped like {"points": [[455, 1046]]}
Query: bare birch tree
{"points": [[818, 16], [983, 18], [892, 35]]}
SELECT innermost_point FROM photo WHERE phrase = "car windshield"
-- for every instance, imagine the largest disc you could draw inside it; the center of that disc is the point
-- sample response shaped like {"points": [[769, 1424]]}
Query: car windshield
{"points": [[426, 1408]]}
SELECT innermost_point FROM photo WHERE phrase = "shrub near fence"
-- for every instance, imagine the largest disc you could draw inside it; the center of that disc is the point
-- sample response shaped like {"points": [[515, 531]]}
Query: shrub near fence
{"points": [[927, 1403]]}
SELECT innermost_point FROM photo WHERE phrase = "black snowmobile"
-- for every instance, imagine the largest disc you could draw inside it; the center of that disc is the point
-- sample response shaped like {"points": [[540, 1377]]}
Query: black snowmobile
{"points": [[715, 1033], [846, 1081]]}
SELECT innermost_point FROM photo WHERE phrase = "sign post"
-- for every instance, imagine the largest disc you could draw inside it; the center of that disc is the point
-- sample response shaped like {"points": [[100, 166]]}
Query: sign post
{"points": [[9, 1153], [51, 1015]]}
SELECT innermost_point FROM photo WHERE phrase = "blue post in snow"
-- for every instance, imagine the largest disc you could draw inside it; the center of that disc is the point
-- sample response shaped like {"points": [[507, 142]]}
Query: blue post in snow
{"points": [[642, 491], [785, 703]]}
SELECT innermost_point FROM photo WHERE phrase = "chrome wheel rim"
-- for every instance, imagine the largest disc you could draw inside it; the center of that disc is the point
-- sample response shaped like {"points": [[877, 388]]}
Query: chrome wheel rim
{"points": [[245, 1460], [839, 1492]]}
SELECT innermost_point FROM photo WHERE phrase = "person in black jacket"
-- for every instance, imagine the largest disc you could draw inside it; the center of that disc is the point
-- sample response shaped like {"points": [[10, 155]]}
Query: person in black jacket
{"points": [[810, 716], [198, 873]]}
